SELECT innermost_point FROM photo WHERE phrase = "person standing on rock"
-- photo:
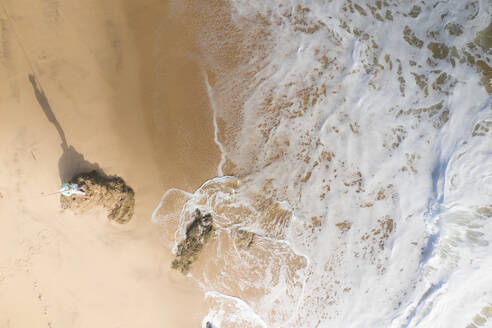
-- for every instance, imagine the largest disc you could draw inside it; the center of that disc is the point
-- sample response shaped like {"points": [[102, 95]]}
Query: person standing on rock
{"points": [[71, 189]]}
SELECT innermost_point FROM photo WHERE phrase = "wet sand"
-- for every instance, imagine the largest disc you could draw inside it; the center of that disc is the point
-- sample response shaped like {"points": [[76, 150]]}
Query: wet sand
{"points": [[117, 87], [172, 90]]}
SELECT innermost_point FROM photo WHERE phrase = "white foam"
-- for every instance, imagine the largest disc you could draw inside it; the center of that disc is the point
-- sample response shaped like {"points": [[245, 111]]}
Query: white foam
{"points": [[386, 180], [210, 94], [238, 312]]}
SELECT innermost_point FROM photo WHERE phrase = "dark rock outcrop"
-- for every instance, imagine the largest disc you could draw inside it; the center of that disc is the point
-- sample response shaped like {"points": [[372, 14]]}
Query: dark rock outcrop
{"points": [[111, 193], [198, 233]]}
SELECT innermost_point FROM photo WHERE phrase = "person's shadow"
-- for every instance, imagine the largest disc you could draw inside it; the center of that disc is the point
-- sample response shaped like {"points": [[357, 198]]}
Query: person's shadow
{"points": [[71, 161]]}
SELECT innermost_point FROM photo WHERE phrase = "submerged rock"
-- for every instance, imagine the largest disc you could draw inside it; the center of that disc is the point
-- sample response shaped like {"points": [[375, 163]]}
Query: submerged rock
{"points": [[245, 239], [111, 193], [197, 235]]}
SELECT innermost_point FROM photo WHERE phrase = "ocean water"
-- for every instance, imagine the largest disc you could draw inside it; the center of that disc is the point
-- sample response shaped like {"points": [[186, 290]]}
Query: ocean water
{"points": [[355, 186]]}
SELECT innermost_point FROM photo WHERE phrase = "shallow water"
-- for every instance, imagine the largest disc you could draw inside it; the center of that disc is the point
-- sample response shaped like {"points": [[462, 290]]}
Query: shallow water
{"points": [[359, 180]]}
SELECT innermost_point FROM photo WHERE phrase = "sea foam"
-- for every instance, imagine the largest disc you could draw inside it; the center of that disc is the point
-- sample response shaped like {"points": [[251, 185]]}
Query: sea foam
{"points": [[363, 169]]}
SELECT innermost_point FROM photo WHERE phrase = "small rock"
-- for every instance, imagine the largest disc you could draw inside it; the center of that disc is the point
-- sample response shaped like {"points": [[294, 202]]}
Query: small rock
{"points": [[198, 233]]}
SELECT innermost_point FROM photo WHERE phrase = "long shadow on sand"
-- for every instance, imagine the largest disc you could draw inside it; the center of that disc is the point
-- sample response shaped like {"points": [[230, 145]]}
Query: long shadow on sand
{"points": [[71, 161]]}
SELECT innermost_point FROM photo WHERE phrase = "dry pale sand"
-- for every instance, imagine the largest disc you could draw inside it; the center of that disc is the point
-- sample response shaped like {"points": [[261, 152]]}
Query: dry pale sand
{"points": [[114, 85]]}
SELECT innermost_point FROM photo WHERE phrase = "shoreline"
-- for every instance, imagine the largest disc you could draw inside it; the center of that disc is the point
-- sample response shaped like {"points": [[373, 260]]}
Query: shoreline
{"points": [[173, 90]]}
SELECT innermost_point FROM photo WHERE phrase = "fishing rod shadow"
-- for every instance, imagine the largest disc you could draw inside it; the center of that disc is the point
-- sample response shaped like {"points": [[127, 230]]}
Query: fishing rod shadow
{"points": [[71, 161]]}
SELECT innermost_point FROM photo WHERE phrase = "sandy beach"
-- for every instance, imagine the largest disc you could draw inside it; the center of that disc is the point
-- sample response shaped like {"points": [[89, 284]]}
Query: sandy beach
{"points": [[114, 86]]}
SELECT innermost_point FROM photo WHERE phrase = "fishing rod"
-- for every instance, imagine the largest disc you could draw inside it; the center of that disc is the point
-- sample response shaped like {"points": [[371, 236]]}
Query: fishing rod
{"points": [[53, 193]]}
